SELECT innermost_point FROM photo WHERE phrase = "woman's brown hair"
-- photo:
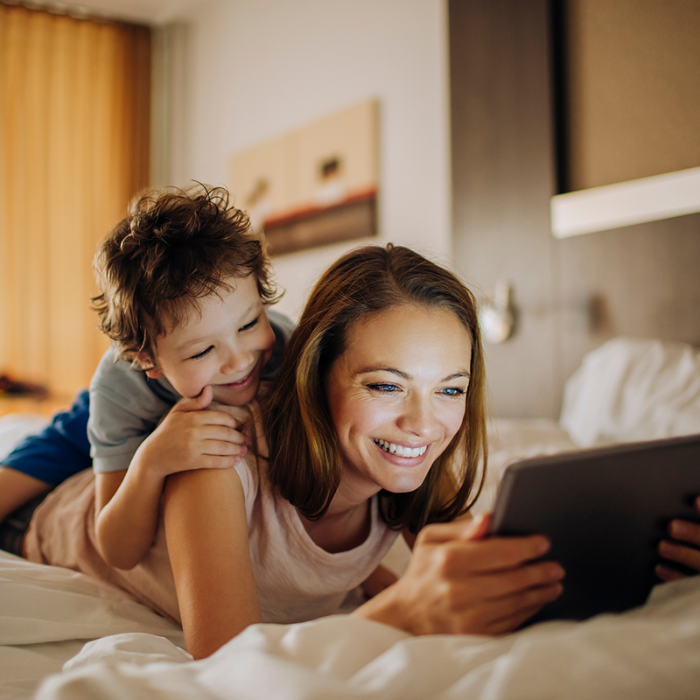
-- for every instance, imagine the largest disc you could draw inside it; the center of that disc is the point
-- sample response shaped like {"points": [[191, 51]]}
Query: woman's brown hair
{"points": [[306, 461]]}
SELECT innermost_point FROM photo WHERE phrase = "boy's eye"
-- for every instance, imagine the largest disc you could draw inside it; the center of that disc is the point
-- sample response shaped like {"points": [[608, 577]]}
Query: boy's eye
{"points": [[249, 325], [201, 354], [452, 391], [388, 388]]}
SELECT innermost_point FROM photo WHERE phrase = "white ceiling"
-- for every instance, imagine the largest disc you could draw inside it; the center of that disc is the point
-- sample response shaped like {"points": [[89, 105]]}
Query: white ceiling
{"points": [[143, 11]]}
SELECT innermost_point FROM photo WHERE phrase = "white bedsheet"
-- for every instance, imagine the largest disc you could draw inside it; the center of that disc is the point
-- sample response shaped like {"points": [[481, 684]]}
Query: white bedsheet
{"points": [[652, 652], [46, 615]]}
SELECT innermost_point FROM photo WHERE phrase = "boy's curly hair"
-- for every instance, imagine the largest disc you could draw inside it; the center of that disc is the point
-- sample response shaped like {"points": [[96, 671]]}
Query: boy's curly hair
{"points": [[175, 247]]}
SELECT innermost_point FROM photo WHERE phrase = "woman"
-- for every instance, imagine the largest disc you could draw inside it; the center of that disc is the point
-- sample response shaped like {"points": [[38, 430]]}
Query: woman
{"points": [[375, 426]]}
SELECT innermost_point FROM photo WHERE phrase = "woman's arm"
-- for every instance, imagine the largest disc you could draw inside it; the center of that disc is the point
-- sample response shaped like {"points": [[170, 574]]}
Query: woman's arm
{"points": [[676, 551], [207, 536], [458, 582]]}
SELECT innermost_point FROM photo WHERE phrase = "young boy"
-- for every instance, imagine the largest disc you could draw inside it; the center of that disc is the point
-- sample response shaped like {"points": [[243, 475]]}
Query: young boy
{"points": [[184, 284]]}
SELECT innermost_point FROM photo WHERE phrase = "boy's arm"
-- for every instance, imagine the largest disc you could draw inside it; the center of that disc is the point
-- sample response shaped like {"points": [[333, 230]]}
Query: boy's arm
{"points": [[207, 537], [47, 458], [127, 501]]}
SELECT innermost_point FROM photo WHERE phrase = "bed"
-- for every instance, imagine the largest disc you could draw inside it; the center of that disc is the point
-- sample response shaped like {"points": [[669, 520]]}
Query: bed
{"points": [[63, 635]]}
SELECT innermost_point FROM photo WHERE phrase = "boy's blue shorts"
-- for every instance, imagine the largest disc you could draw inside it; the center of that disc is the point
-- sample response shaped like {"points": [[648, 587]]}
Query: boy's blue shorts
{"points": [[60, 450]]}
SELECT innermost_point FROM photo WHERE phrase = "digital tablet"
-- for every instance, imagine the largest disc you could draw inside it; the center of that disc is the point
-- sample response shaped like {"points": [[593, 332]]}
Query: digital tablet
{"points": [[604, 511]]}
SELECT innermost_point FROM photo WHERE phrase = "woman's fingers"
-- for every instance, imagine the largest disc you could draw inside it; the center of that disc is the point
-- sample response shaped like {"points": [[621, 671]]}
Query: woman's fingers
{"points": [[495, 615], [680, 554], [685, 549], [666, 573], [506, 549], [524, 611], [685, 531], [479, 527], [457, 585], [513, 589], [490, 555], [503, 584]]}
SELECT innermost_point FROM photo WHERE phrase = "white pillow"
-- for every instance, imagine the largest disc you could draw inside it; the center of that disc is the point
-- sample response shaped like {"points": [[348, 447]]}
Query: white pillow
{"points": [[633, 389]]}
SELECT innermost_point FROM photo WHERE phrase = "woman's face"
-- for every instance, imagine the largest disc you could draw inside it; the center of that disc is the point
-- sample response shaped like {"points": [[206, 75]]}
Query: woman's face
{"points": [[397, 396]]}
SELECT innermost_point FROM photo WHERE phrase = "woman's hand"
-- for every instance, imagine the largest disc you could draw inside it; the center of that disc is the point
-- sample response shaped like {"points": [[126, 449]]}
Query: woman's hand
{"points": [[380, 579], [461, 582], [682, 532]]}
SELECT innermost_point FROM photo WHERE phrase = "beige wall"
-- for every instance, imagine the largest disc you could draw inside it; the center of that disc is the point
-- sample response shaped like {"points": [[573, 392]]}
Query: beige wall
{"points": [[256, 70]]}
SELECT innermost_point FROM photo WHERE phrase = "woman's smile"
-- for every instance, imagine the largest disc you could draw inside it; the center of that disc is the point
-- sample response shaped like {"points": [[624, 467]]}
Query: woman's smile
{"points": [[400, 450]]}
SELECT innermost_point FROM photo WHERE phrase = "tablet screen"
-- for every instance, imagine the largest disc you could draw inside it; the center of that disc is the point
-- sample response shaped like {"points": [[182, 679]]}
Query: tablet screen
{"points": [[605, 511]]}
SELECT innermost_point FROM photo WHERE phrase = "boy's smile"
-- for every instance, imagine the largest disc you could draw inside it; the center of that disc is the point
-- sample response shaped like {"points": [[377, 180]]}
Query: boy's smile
{"points": [[225, 342]]}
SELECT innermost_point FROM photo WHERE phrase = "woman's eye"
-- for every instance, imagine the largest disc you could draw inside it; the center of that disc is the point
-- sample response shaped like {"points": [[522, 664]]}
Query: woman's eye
{"points": [[249, 325], [388, 388], [202, 354], [452, 391]]}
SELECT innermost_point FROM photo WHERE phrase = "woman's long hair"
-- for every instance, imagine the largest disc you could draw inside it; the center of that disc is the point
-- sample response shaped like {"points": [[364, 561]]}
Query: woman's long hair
{"points": [[306, 461]]}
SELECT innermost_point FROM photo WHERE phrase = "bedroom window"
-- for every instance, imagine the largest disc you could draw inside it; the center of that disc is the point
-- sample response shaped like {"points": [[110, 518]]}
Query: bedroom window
{"points": [[74, 149]]}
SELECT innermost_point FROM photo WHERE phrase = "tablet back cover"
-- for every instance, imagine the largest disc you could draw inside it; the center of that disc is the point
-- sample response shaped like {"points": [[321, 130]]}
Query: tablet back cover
{"points": [[605, 511]]}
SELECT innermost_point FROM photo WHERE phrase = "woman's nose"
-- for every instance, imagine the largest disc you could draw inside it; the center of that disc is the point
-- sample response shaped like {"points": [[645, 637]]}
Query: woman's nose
{"points": [[417, 417]]}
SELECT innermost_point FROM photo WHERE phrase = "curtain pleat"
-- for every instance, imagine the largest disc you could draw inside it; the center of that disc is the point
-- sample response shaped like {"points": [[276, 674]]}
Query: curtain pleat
{"points": [[74, 149]]}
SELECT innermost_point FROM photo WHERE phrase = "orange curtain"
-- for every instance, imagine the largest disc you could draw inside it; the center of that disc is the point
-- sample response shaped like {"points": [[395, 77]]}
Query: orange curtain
{"points": [[74, 149]]}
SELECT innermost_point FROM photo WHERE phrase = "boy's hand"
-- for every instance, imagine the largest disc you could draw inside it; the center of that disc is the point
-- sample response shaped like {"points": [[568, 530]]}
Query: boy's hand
{"points": [[191, 437]]}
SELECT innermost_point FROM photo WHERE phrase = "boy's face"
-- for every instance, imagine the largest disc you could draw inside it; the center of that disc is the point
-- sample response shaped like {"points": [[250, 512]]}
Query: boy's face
{"points": [[226, 343]]}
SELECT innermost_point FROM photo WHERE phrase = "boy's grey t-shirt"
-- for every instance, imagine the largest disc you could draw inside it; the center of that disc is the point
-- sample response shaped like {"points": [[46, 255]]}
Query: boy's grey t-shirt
{"points": [[126, 405]]}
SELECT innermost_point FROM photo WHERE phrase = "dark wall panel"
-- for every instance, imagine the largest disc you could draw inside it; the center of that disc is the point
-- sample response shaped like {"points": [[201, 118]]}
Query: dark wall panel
{"points": [[502, 165]]}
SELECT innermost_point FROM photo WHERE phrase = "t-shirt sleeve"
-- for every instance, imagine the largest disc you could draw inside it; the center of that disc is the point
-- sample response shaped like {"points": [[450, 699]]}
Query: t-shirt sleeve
{"points": [[124, 411], [283, 327], [247, 468]]}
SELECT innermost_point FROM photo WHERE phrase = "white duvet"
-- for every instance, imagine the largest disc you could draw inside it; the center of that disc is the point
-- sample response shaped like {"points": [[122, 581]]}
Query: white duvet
{"points": [[47, 613]]}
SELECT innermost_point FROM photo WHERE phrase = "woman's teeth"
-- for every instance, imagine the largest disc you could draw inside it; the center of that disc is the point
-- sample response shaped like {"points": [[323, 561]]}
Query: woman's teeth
{"points": [[401, 451]]}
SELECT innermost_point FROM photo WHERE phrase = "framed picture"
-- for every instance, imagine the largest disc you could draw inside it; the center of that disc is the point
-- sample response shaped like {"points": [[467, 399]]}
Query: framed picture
{"points": [[313, 186]]}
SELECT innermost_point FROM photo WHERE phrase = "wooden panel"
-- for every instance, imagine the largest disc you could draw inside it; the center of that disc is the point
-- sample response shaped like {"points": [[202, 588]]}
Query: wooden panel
{"points": [[633, 89], [502, 180]]}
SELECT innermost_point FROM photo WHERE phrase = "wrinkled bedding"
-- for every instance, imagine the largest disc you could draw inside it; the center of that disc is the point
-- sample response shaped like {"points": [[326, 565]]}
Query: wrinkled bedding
{"points": [[651, 652]]}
